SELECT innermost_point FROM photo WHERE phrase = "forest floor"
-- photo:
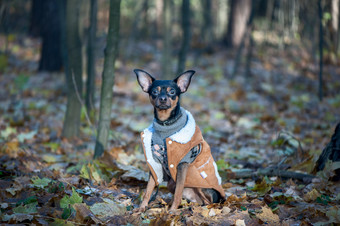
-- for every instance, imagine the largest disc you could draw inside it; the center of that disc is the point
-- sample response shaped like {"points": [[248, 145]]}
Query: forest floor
{"points": [[271, 121]]}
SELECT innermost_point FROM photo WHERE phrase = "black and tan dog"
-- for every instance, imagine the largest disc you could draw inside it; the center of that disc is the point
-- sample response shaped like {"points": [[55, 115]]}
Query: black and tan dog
{"points": [[174, 147]]}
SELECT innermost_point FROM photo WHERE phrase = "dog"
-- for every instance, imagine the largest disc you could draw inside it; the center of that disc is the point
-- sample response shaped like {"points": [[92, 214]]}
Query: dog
{"points": [[174, 147]]}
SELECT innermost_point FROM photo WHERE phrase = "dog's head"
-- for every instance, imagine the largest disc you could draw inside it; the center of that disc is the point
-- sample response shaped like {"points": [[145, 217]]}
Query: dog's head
{"points": [[164, 94]]}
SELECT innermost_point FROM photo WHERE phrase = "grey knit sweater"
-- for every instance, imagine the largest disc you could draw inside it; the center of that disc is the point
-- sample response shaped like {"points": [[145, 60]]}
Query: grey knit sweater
{"points": [[161, 132]]}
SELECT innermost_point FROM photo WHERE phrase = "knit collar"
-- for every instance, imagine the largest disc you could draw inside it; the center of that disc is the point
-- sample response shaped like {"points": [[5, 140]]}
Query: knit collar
{"points": [[183, 136], [173, 126]]}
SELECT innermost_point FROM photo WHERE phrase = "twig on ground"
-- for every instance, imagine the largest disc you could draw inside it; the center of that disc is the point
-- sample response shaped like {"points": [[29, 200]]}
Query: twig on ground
{"points": [[246, 173], [82, 104]]}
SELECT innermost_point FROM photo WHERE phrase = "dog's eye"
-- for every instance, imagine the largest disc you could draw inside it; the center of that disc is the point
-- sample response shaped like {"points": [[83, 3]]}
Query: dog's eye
{"points": [[172, 92], [155, 92]]}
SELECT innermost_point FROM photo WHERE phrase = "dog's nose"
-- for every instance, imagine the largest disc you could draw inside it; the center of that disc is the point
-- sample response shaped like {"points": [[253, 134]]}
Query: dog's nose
{"points": [[162, 99]]}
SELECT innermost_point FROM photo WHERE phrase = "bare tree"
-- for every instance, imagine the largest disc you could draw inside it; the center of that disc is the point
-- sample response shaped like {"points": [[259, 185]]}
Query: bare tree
{"points": [[108, 76], [166, 53], [238, 17], [186, 36], [91, 57], [73, 70]]}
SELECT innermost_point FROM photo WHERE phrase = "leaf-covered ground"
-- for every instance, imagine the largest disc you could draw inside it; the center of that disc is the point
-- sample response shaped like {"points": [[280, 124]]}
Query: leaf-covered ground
{"points": [[256, 126]]}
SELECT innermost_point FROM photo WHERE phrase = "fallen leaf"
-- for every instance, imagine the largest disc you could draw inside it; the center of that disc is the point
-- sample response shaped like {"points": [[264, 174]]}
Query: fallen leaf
{"points": [[26, 209], [312, 195], [268, 216], [212, 213], [40, 183], [70, 200], [17, 217], [240, 223], [226, 210], [83, 213], [107, 209]]}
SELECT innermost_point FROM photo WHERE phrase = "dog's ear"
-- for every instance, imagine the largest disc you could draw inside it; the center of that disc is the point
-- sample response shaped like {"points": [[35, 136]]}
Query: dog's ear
{"points": [[183, 80], [144, 79]]}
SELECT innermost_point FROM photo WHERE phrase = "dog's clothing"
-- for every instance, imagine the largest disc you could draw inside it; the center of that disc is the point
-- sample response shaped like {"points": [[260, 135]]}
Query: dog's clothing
{"points": [[184, 145], [160, 133]]}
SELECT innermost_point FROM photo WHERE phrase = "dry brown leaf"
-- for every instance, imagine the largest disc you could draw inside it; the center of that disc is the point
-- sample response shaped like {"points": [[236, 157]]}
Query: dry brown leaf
{"points": [[234, 198], [312, 195], [268, 216], [83, 213], [202, 211]]}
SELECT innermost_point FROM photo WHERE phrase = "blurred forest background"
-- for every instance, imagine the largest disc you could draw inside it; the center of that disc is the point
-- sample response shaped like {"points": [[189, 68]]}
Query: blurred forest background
{"points": [[266, 96]]}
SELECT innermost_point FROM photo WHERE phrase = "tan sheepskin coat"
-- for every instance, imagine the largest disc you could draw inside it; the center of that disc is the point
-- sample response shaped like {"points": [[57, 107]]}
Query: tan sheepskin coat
{"points": [[202, 173]]}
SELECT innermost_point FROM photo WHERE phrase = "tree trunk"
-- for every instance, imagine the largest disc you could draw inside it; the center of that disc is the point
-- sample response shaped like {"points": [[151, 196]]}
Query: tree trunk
{"points": [[166, 53], [320, 50], [73, 71], [238, 17], [91, 57], [158, 23], [186, 36], [247, 35], [145, 26], [207, 28], [50, 30], [335, 25], [37, 11], [111, 53], [330, 153]]}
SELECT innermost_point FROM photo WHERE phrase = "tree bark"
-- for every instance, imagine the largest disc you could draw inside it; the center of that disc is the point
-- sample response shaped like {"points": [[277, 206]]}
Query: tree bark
{"points": [[37, 11], [335, 24], [166, 53], [238, 17], [91, 57], [186, 28], [320, 50], [246, 35], [50, 31], [108, 76], [330, 153], [73, 71], [207, 28]]}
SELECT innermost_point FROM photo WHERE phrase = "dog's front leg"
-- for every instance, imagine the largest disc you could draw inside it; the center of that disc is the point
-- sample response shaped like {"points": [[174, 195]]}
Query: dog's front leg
{"points": [[182, 170], [149, 188]]}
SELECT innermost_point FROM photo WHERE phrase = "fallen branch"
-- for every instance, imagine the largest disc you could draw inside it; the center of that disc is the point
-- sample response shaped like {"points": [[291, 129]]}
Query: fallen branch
{"points": [[246, 173]]}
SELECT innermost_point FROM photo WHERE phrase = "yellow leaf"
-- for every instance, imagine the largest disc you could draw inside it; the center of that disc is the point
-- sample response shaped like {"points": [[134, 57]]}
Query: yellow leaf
{"points": [[312, 195], [268, 216]]}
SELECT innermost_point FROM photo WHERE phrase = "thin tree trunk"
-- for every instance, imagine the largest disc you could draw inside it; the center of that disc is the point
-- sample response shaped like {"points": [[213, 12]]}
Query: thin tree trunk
{"points": [[238, 17], [246, 35], [207, 28], [166, 53], [134, 30], [37, 11], [335, 24], [320, 50], [158, 23], [91, 57], [250, 28], [73, 71], [50, 57], [145, 27], [186, 36], [111, 53]]}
